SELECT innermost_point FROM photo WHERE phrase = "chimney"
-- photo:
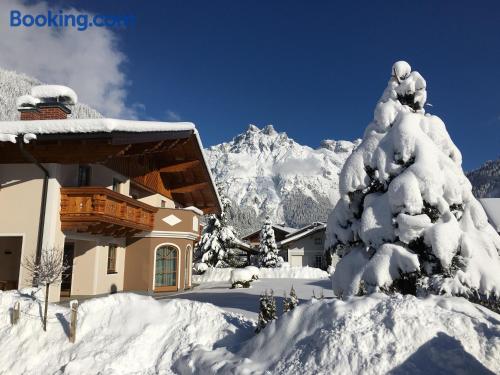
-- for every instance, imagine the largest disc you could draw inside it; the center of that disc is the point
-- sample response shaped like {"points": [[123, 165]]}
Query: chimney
{"points": [[46, 102]]}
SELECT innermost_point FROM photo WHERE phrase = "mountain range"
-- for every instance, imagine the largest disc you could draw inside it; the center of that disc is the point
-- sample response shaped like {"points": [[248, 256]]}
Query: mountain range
{"points": [[265, 172]]}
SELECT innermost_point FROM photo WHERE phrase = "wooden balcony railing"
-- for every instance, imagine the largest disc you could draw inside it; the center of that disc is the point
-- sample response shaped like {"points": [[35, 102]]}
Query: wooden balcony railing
{"points": [[98, 210]]}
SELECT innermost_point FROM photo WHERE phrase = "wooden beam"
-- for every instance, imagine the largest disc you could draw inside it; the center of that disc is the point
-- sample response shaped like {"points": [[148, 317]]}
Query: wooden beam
{"points": [[190, 188], [180, 167]]}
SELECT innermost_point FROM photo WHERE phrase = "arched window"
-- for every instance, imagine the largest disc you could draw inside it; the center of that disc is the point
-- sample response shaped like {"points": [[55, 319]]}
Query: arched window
{"points": [[166, 267]]}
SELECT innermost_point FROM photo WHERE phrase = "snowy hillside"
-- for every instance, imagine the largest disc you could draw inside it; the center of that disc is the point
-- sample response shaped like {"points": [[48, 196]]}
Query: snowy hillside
{"points": [[13, 85], [266, 172], [486, 180]]}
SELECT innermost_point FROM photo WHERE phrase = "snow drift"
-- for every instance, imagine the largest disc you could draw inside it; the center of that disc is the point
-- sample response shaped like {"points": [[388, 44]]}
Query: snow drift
{"points": [[284, 272], [118, 334], [406, 219], [366, 335]]}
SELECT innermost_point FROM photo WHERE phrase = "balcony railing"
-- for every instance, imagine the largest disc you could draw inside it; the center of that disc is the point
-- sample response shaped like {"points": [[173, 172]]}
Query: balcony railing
{"points": [[98, 210]]}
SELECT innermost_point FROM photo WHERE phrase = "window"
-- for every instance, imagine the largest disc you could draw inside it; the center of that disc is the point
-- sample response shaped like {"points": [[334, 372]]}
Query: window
{"points": [[116, 185], [166, 267], [318, 261], [83, 175], [196, 227], [112, 259], [318, 241], [163, 204]]}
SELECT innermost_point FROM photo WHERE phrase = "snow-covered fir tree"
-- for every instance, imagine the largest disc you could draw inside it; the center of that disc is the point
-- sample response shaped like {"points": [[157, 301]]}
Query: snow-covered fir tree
{"points": [[215, 247], [267, 310], [268, 251], [289, 303], [407, 220]]}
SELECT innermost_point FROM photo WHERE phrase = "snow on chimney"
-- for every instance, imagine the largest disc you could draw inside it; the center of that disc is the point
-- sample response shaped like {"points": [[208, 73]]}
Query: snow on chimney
{"points": [[47, 102]]}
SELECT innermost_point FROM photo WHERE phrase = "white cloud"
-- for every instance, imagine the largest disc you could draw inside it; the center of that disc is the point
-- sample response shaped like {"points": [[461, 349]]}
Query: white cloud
{"points": [[173, 116], [88, 61]]}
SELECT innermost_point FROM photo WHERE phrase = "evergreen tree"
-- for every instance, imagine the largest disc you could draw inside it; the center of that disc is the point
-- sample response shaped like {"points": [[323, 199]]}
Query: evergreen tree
{"points": [[267, 310], [268, 251], [215, 247], [291, 302], [407, 220]]}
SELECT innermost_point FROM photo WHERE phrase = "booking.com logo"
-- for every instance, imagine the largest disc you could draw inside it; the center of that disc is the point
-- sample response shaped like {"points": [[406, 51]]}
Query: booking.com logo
{"points": [[60, 19]]}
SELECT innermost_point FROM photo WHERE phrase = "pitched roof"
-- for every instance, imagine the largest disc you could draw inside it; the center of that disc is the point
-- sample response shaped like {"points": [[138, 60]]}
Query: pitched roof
{"points": [[492, 208], [303, 232], [117, 135]]}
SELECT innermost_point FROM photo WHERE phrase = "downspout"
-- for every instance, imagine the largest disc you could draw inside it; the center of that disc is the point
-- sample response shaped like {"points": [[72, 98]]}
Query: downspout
{"points": [[41, 222]]}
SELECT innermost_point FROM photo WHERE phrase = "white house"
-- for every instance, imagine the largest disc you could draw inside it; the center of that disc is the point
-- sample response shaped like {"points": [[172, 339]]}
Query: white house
{"points": [[304, 247]]}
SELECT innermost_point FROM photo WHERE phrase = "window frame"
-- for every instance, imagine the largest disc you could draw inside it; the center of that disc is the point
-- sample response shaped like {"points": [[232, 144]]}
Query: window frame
{"points": [[88, 173], [112, 255]]}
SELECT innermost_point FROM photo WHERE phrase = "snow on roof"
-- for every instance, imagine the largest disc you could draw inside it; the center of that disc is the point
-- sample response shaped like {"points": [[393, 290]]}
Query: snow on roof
{"points": [[492, 208], [303, 232], [54, 91], [25, 101], [91, 125], [194, 209], [285, 229]]}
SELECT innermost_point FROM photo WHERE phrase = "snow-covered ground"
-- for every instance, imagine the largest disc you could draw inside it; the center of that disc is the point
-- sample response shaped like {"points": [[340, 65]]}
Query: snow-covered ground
{"points": [[131, 334], [374, 334], [246, 301], [119, 334]]}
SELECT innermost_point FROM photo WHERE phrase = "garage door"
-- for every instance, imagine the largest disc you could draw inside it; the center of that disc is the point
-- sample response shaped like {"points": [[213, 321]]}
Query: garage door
{"points": [[296, 260]]}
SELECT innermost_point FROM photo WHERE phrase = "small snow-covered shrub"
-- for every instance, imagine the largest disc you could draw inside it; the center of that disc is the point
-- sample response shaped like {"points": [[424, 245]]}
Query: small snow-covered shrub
{"points": [[241, 278], [267, 310], [406, 220], [254, 270], [200, 268]]}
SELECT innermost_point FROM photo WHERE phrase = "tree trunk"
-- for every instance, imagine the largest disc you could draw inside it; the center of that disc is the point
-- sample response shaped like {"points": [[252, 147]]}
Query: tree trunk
{"points": [[46, 307]]}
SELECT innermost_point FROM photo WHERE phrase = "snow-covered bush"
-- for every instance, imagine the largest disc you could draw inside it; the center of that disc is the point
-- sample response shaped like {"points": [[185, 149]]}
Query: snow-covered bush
{"points": [[407, 220], [267, 310], [200, 268], [254, 270], [241, 278], [289, 303], [268, 251]]}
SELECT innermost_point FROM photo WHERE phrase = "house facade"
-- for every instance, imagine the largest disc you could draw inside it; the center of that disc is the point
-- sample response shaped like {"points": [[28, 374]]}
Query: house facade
{"points": [[305, 246], [122, 199]]}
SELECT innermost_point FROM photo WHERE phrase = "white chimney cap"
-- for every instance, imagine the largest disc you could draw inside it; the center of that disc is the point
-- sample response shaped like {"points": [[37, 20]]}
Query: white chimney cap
{"points": [[62, 93]]}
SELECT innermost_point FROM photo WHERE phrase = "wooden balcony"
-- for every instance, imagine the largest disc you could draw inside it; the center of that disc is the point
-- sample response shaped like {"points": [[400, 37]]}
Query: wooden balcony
{"points": [[100, 211]]}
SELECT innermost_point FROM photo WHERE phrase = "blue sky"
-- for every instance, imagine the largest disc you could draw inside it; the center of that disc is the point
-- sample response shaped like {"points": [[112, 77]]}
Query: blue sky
{"points": [[314, 69]]}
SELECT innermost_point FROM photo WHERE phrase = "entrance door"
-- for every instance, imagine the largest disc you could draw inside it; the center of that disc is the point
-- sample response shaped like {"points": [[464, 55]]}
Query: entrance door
{"points": [[166, 269], [69, 253], [296, 261]]}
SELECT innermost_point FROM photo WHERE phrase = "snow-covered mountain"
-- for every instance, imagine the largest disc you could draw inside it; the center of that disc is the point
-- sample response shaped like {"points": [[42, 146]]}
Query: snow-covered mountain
{"points": [[486, 180], [264, 172], [13, 85]]}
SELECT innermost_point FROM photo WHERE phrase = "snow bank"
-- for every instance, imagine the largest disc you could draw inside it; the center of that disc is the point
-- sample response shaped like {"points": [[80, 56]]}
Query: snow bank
{"points": [[118, 334], [54, 91], [373, 335], [254, 270], [284, 272], [241, 275]]}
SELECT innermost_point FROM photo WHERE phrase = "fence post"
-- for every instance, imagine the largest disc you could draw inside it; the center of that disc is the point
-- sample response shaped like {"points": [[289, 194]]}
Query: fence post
{"points": [[15, 313], [72, 327]]}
